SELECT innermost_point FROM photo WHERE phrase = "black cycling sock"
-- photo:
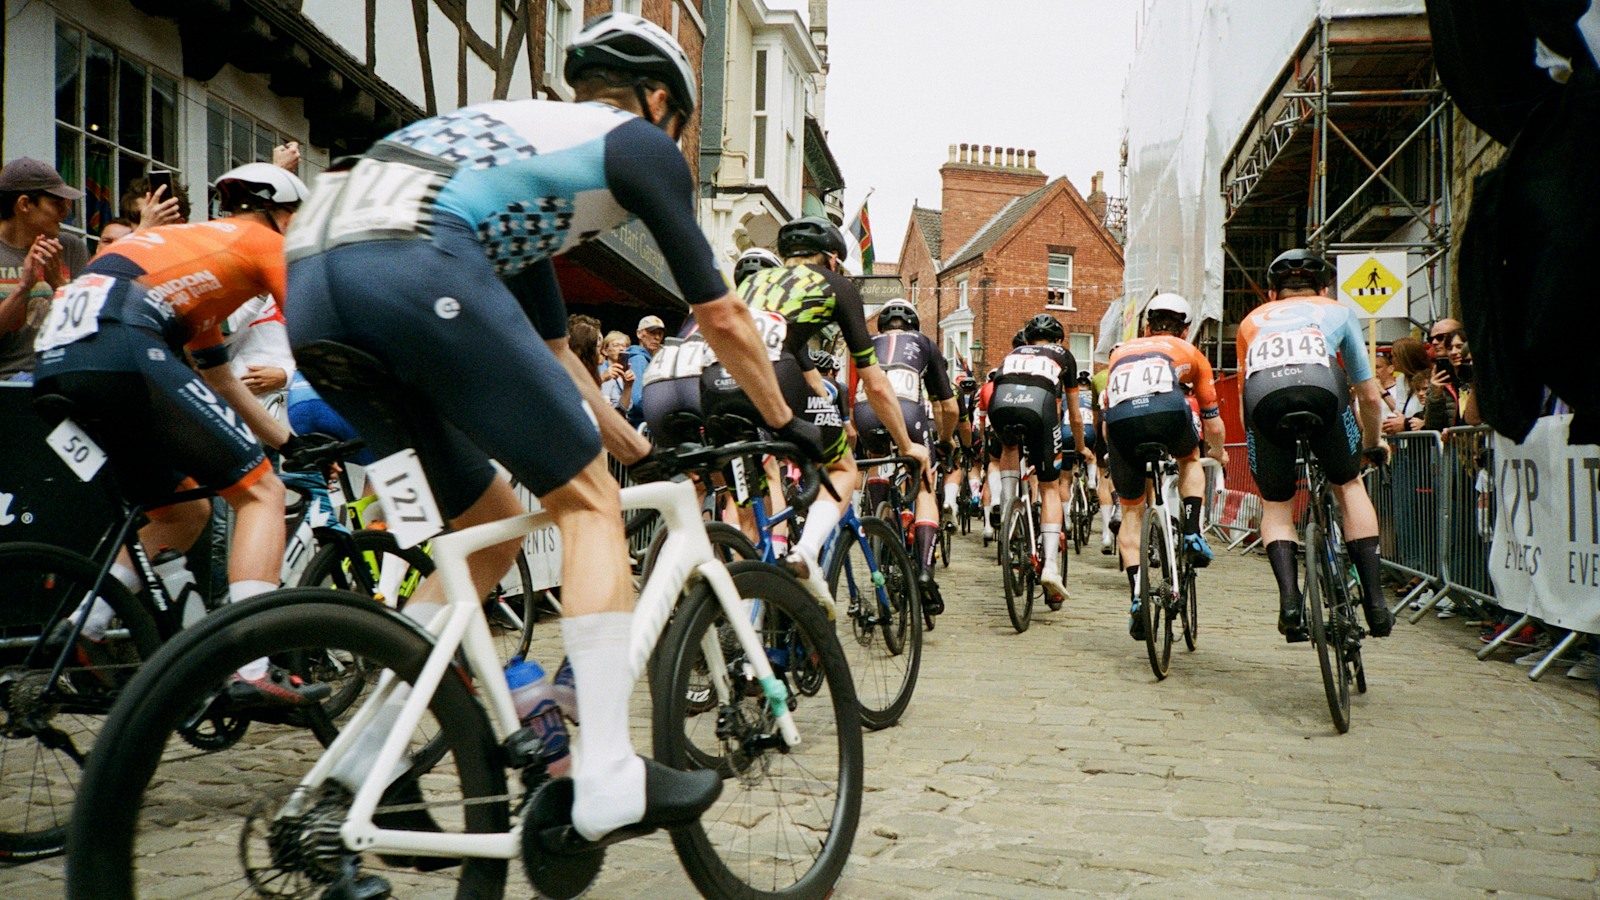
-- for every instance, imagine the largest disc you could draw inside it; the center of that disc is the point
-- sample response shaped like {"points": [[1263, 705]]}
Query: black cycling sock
{"points": [[877, 493], [1286, 569], [1133, 582], [1191, 515], [1364, 553], [926, 533]]}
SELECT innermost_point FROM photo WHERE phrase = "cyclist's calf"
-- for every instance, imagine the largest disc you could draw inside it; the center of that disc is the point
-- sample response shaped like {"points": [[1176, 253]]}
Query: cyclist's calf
{"points": [[588, 510]]}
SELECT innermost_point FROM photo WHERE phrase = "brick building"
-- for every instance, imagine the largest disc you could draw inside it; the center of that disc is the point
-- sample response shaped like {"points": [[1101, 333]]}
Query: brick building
{"points": [[1006, 244]]}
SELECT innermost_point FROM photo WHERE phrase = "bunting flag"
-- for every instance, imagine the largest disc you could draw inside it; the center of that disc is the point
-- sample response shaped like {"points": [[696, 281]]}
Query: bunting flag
{"points": [[861, 230]]}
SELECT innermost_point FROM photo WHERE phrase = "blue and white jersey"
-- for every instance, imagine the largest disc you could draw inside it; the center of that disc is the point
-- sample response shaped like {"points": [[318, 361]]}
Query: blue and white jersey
{"points": [[1302, 331], [531, 178]]}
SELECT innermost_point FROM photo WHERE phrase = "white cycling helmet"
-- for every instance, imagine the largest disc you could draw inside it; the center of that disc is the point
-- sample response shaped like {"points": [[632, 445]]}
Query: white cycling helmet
{"points": [[259, 186], [1172, 303], [752, 261], [629, 43]]}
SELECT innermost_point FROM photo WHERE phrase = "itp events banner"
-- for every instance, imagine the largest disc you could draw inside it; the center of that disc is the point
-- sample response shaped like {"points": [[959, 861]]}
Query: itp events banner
{"points": [[1545, 559]]}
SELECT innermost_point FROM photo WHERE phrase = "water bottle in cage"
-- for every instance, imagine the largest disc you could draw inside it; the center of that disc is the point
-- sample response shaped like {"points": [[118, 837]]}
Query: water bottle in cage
{"points": [[537, 702]]}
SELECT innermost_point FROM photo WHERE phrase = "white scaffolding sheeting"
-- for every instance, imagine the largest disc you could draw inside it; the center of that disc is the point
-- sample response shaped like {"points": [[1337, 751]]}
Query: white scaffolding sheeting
{"points": [[1200, 70]]}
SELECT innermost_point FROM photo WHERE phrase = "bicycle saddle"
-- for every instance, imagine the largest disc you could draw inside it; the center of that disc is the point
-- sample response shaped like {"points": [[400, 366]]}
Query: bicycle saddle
{"points": [[1150, 452], [1297, 423], [682, 427], [729, 428], [55, 407]]}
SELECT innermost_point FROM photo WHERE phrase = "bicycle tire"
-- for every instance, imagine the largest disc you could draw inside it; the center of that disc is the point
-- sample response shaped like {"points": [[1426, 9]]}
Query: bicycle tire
{"points": [[333, 567], [40, 583], [817, 785], [883, 644], [1189, 608], [947, 527], [731, 545], [1016, 564], [123, 785], [1155, 594], [1329, 657]]}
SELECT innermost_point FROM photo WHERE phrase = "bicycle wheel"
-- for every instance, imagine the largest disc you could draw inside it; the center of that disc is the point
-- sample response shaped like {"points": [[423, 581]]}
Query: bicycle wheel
{"points": [[787, 817], [1016, 565], [1071, 523], [964, 504], [1189, 608], [730, 545], [1330, 656], [1155, 595], [883, 644], [159, 815], [334, 566], [48, 729], [947, 528]]}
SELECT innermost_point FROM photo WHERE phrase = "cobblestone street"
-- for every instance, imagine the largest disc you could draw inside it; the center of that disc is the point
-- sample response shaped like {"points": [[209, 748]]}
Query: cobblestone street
{"points": [[1053, 762]]}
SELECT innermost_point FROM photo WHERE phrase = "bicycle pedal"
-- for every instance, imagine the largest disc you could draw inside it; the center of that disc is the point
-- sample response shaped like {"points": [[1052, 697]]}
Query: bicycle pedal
{"points": [[558, 861]]}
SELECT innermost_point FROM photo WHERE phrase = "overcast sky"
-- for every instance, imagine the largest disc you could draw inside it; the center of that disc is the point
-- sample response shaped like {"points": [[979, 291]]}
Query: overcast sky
{"points": [[908, 78]]}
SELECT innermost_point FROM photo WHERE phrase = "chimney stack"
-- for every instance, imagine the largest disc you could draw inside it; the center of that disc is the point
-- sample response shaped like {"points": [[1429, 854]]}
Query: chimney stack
{"points": [[978, 181], [1097, 196]]}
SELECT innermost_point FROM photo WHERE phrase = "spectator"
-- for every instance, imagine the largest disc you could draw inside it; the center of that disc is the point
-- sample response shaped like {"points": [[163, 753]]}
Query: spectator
{"points": [[1465, 373], [35, 257], [114, 230], [616, 379], [1383, 367], [1439, 337], [583, 336], [652, 331], [151, 208], [1411, 366]]}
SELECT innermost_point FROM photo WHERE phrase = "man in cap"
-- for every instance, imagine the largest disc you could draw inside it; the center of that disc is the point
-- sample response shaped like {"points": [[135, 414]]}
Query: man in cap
{"points": [[651, 332], [35, 257]]}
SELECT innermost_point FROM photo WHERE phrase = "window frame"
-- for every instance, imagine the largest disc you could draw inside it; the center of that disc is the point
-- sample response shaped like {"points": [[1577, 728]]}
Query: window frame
{"points": [[962, 299], [1051, 290], [558, 33], [1086, 360]]}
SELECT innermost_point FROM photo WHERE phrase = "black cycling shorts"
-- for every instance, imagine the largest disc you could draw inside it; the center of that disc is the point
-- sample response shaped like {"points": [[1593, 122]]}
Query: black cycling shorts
{"points": [[872, 438], [1158, 419], [1274, 393], [672, 410], [722, 398], [1026, 414], [476, 374], [158, 422]]}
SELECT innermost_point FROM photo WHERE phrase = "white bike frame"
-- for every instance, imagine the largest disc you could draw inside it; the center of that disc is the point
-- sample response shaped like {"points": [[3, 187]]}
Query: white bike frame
{"points": [[461, 625]]}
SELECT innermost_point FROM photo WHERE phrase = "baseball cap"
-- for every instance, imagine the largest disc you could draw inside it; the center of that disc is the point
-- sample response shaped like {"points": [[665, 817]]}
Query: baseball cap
{"points": [[651, 323], [25, 174]]}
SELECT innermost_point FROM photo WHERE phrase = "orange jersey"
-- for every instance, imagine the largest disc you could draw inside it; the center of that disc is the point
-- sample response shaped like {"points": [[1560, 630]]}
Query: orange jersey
{"points": [[201, 272], [1189, 365]]}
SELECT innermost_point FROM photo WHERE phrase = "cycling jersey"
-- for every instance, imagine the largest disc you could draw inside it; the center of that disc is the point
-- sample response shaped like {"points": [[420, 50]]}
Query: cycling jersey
{"points": [[1157, 364], [808, 298], [1049, 366], [190, 277], [1301, 332], [670, 396], [914, 365]]}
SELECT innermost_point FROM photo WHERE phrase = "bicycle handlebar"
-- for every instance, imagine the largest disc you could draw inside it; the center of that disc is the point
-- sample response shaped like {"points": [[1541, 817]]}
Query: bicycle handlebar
{"points": [[912, 464], [692, 458]]}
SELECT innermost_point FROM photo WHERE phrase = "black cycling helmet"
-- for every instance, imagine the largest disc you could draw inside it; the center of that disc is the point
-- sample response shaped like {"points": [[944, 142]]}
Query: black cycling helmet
{"points": [[752, 261], [1045, 327], [898, 308], [1299, 265], [628, 43], [1020, 338], [810, 234]]}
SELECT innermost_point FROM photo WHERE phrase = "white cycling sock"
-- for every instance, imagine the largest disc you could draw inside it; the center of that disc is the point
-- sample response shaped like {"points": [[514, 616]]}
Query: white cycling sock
{"points": [[994, 488], [608, 778], [244, 590], [950, 491], [821, 520], [1051, 535], [1008, 488], [128, 578], [1105, 516]]}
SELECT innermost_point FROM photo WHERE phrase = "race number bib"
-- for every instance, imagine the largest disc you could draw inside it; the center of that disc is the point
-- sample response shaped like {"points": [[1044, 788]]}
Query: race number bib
{"points": [[773, 328], [1305, 347], [408, 505], [75, 312], [1038, 366], [907, 384], [685, 359], [1139, 378], [378, 199], [79, 451]]}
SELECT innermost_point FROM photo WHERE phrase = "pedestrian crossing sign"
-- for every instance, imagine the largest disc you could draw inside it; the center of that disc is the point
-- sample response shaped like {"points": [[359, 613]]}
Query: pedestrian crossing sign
{"points": [[1372, 284]]}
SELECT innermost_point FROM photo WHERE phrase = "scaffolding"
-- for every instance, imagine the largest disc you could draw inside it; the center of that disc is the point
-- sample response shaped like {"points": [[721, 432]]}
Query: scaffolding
{"points": [[1348, 151]]}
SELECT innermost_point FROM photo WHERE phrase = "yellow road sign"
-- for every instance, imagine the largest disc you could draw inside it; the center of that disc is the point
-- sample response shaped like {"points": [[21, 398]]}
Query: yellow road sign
{"points": [[1372, 286]]}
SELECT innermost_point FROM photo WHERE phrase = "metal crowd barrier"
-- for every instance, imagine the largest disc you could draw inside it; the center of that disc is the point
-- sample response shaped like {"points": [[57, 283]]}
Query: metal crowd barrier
{"points": [[1409, 496]]}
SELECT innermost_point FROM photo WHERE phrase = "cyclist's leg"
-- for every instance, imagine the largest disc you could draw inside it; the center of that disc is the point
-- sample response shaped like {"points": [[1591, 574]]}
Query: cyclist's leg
{"points": [[1336, 451], [1129, 484], [1273, 466]]}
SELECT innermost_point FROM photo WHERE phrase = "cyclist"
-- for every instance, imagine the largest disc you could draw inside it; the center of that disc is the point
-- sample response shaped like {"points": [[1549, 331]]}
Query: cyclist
{"points": [[1144, 403], [433, 253], [917, 374], [967, 426], [992, 442], [1103, 488], [791, 305], [1035, 380], [157, 295], [1298, 352]]}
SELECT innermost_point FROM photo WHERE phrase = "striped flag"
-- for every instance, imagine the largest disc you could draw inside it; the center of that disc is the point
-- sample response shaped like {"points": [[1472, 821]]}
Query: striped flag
{"points": [[861, 230]]}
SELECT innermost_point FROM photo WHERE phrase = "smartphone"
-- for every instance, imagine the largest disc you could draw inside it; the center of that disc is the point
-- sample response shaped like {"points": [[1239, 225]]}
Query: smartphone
{"points": [[1446, 366], [158, 178], [1464, 372]]}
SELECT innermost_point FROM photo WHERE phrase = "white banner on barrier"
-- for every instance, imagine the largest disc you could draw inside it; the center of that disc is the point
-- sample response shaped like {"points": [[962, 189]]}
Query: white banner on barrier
{"points": [[1545, 559]]}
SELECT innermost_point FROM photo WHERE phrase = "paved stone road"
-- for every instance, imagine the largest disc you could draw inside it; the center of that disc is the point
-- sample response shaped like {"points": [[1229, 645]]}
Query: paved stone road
{"points": [[1052, 762]]}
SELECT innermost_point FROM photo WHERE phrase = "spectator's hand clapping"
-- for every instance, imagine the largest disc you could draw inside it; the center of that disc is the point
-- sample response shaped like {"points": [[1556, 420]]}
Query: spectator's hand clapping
{"points": [[287, 156], [43, 263], [157, 211]]}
